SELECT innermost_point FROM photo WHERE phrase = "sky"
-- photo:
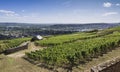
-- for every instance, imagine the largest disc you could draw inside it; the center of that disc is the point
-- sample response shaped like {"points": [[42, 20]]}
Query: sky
{"points": [[60, 11]]}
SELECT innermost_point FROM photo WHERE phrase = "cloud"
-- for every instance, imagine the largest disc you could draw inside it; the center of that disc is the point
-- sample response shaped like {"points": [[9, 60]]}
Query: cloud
{"points": [[110, 13], [8, 13], [107, 4], [117, 4]]}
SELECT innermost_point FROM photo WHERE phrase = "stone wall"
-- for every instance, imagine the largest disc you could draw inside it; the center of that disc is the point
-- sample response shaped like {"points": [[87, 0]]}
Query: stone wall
{"points": [[12, 50], [109, 66]]}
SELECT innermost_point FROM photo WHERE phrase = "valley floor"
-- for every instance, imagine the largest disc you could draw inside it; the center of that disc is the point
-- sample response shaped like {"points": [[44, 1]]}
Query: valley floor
{"points": [[16, 63]]}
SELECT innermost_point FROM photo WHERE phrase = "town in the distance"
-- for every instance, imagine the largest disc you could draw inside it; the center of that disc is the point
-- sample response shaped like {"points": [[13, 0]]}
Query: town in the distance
{"points": [[18, 30]]}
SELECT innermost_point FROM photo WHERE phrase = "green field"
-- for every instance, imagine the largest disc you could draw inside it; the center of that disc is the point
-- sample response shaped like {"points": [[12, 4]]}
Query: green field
{"points": [[70, 50], [7, 44], [61, 39]]}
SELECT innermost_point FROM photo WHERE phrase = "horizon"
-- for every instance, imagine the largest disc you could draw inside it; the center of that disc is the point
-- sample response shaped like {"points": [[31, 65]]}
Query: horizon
{"points": [[59, 23], [60, 11]]}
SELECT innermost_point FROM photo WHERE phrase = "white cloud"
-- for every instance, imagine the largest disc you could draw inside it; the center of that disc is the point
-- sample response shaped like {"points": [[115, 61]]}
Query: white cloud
{"points": [[117, 4], [110, 13], [8, 13], [107, 4]]}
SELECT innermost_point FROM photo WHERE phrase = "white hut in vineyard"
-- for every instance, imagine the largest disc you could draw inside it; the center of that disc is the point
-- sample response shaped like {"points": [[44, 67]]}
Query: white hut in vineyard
{"points": [[37, 37]]}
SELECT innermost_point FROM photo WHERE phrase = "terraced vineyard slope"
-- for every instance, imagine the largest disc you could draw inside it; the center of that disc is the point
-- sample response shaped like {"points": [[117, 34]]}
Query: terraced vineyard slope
{"points": [[7, 44], [65, 52]]}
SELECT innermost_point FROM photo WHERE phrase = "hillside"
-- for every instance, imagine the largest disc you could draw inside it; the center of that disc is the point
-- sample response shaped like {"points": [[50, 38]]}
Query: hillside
{"points": [[69, 52]]}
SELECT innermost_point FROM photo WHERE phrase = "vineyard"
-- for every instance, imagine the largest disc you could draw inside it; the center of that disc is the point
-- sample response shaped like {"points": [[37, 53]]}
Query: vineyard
{"points": [[61, 39], [74, 52], [7, 44]]}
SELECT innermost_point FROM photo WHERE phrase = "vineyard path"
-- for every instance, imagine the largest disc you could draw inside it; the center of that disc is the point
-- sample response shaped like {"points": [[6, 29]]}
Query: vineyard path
{"points": [[31, 47]]}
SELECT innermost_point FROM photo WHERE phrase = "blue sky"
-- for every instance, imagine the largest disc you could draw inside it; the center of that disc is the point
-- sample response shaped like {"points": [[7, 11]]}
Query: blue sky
{"points": [[60, 11]]}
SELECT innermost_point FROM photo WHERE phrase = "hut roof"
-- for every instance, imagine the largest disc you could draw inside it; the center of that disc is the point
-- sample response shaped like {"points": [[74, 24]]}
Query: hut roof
{"points": [[39, 37]]}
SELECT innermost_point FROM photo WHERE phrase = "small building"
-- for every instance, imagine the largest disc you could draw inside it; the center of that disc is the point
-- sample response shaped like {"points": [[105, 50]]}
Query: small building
{"points": [[37, 37]]}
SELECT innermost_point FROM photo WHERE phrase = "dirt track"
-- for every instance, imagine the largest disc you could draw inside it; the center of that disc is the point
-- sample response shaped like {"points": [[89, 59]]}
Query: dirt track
{"points": [[16, 63], [31, 47]]}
